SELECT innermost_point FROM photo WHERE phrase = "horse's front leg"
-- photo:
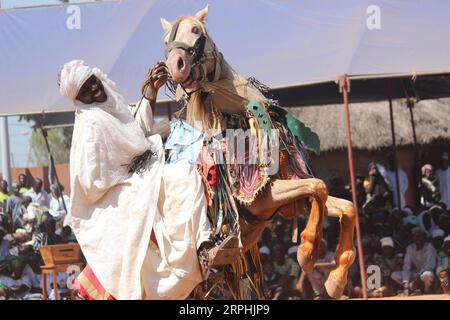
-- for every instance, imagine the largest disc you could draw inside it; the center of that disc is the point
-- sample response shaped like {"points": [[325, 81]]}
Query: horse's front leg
{"points": [[285, 192], [345, 250]]}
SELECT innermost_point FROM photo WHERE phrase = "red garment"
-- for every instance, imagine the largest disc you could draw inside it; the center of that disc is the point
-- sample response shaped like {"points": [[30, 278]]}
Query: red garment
{"points": [[90, 288]]}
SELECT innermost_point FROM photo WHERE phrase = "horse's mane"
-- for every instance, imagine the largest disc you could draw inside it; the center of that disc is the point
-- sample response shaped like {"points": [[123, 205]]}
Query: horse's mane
{"points": [[202, 117]]}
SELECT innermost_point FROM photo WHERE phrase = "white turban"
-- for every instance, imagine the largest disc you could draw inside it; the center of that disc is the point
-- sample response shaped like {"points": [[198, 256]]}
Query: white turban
{"points": [[292, 250], [72, 77], [75, 73], [264, 250], [437, 233], [387, 242], [447, 239]]}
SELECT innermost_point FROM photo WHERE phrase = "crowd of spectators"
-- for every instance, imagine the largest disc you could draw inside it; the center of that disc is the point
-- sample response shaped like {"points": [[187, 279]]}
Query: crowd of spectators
{"points": [[30, 218], [410, 246], [406, 247]]}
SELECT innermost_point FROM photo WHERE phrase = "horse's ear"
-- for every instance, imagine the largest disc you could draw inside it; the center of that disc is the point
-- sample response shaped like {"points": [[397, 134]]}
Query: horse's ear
{"points": [[166, 25], [202, 15]]}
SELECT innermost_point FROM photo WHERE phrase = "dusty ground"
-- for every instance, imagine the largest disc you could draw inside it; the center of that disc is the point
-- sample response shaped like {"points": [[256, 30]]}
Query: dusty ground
{"points": [[421, 297]]}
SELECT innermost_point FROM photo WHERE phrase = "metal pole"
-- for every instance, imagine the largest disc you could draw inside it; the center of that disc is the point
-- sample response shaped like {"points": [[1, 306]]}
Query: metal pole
{"points": [[394, 151], [53, 167], [6, 160], [344, 85]]}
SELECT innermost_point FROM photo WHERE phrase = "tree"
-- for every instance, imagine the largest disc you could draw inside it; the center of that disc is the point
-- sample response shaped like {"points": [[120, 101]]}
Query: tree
{"points": [[59, 140]]}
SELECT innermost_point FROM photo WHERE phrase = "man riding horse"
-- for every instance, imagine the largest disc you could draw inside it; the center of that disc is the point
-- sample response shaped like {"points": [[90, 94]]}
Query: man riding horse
{"points": [[238, 198]]}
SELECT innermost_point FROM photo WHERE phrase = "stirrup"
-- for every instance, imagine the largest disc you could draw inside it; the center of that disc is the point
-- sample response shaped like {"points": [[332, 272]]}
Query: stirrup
{"points": [[217, 255], [226, 252]]}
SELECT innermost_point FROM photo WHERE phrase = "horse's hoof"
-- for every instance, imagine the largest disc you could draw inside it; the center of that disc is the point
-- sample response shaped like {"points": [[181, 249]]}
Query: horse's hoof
{"points": [[334, 288], [305, 262]]}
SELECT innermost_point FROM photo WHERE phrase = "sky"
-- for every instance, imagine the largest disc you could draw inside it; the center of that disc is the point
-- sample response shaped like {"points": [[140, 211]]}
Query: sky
{"points": [[20, 132]]}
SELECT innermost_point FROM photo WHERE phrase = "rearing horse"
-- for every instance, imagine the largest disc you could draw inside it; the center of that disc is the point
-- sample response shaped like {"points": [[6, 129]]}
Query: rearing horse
{"points": [[197, 66]]}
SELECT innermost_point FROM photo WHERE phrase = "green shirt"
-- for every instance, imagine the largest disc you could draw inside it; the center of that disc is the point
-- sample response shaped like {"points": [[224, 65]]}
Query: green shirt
{"points": [[3, 197], [443, 262], [288, 268]]}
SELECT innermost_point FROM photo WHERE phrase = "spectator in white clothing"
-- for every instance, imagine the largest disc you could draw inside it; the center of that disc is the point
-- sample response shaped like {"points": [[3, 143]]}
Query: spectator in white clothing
{"points": [[443, 175], [57, 208], [403, 181], [324, 264], [418, 265], [38, 195]]}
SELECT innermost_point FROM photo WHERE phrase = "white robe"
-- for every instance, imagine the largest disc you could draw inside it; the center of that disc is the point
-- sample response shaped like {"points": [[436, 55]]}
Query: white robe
{"points": [[444, 185], [113, 212], [403, 179], [113, 222]]}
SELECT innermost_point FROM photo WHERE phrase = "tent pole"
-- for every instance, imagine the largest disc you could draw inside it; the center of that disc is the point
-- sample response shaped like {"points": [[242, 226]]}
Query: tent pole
{"points": [[394, 151], [417, 179], [53, 167], [344, 86], [6, 158]]}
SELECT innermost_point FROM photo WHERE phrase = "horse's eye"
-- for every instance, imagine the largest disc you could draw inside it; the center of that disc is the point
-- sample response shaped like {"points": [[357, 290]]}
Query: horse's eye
{"points": [[195, 30]]}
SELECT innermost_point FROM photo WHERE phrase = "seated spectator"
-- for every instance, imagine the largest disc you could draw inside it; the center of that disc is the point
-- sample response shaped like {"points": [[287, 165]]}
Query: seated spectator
{"points": [[437, 238], [324, 264], [46, 235], [287, 268], [5, 245], [23, 186], [29, 223], [266, 238], [38, 195], [4, 194], [418, 266], [443, 175], [444, 222], [428, 220], [19, 245], [265, 254], [443, 265], [3, 292], [33, 271], [429, 188], [16, 282], [67, 236], [14, 206], [378, 193], [271, 281], [388, 262], [337, 188], [57, 208]]}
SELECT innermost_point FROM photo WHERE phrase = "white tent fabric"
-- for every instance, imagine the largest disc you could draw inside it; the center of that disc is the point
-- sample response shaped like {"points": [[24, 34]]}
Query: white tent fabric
{"points": [[282, 43]]}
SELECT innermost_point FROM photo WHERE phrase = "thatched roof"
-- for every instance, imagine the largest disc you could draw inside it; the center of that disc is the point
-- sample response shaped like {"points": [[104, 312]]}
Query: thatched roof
{"points": [[370, 123]]}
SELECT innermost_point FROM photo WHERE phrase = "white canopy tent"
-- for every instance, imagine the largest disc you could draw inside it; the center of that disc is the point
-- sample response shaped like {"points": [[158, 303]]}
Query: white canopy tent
{"points": [[282, 43]]}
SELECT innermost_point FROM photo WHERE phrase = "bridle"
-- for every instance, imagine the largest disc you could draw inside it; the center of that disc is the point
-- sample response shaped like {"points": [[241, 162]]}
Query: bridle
{"points": [[197, 51]]}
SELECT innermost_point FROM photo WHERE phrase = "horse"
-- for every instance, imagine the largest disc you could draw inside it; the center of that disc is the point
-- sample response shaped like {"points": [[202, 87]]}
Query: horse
{"points": [[199, 70]]}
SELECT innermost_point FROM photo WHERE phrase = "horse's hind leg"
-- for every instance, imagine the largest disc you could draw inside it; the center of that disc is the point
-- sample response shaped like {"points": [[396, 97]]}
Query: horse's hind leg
{"points": [[285, 192], [345, 250], [312, 234]]}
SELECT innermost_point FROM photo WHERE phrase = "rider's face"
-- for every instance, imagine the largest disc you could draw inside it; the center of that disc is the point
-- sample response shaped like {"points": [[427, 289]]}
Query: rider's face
{"points": [[92, 91]]}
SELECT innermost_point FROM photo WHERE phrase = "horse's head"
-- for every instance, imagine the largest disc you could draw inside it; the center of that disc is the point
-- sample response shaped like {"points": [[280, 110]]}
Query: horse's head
{"points": [[190, 52]]}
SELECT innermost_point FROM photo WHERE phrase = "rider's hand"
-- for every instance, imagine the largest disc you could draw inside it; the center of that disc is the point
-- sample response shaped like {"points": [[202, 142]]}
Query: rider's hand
{"points": [[159, 75], [156, 78]]}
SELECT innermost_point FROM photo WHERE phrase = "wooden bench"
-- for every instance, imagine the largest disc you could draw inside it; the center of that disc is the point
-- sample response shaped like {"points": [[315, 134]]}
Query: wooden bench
{"points": [[58, 258]]}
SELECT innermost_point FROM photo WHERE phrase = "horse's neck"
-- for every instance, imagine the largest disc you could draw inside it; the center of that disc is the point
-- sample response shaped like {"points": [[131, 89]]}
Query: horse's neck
{"points": [[229, 94]]}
